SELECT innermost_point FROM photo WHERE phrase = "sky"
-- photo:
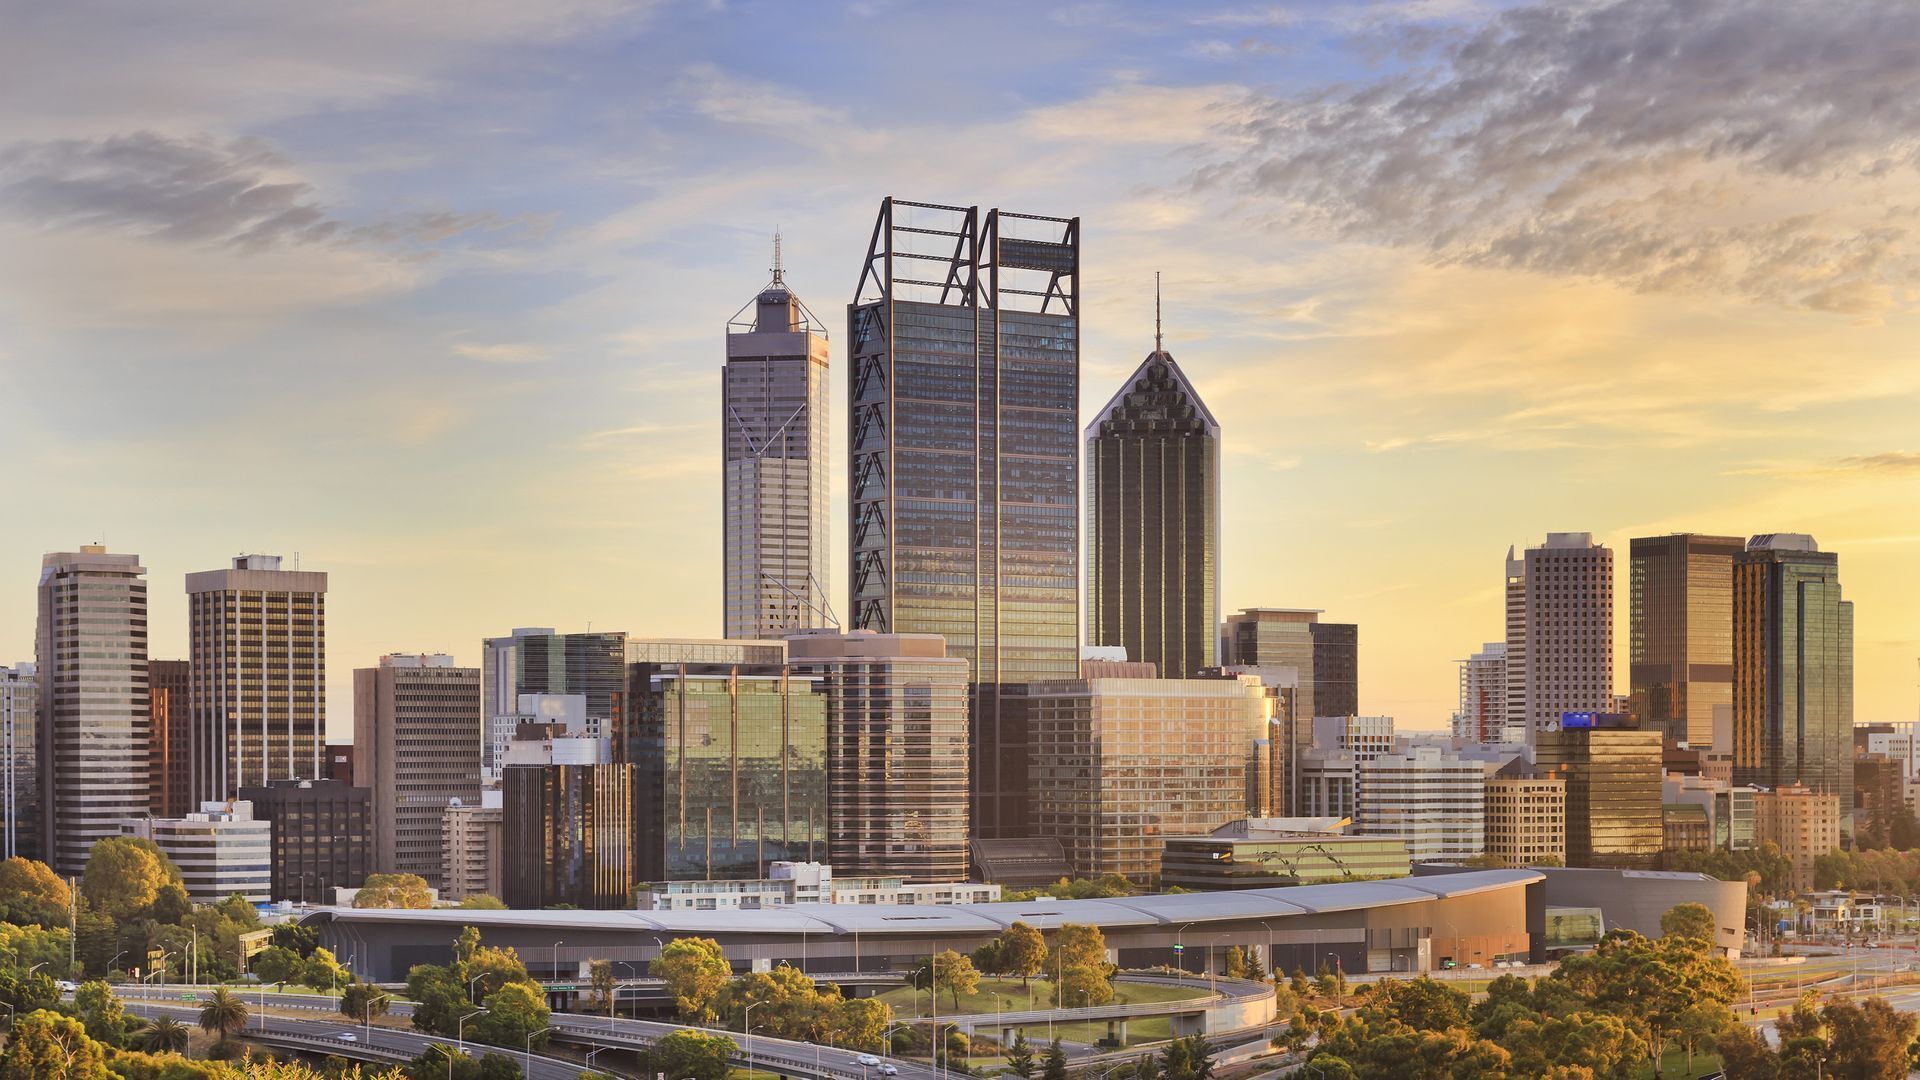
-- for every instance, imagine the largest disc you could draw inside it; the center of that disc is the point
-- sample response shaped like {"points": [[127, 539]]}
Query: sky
{"points": [[433, 294]]}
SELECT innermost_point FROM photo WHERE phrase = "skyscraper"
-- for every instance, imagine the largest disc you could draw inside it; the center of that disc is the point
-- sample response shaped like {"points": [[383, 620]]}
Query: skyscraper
{"points": [[1792, 669], [19, 765], [91, 656], [1482, 715], [169, 686], [535, 660], [1680, 632], [257, 639], [567, 822], [1153, 519], [1569, 629], [964, 384], [1516, 650], [414, 745], [1612, 771], [896, 752], [774, 442]]}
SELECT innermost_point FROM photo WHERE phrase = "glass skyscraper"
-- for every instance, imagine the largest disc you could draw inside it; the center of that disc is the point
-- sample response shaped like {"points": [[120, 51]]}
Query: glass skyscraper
{"points": [[1153, 521], [1792, 669], [1680, 632], [774, 425], [964, 463]]}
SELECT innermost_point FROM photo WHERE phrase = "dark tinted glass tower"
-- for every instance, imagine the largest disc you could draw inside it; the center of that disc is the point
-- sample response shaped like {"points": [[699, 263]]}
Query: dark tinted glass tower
{"points": [[1680, 632], [1153, 521], [965, 385], [1792, 669]]}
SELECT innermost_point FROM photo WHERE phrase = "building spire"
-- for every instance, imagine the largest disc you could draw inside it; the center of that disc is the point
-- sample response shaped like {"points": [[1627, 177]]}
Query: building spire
{"points": [[778, 277], [1156, 312]]}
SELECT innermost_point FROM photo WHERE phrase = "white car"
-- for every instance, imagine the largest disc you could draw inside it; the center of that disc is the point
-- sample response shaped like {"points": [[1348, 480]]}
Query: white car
{"points": [[66, 987], [347, 1036], [889, 1070], [867, 1059]]}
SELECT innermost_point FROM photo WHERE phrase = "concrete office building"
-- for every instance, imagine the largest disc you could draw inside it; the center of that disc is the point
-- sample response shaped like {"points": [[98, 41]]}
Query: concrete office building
{"points": [[1281, 755], [1899, 740], [1612, 770], [1323, 656], [1367, 737], [773, 417], [1568, 651], [1680, 632], [94, 726], [1261, 853], [1516, 646], [1482, 714], [471, 839], [964, 464], [809, 883], [415, 745], [257, 643], [1730, 811], [1805, 823], [19, 765], [1526, 817], [1793, 669], [169, 703], [222, 850], [1431, 799], [535, 660], [731, 751], [322, 832], [1119, 764], [1153, 520], [896, 752], [1329, 783]]}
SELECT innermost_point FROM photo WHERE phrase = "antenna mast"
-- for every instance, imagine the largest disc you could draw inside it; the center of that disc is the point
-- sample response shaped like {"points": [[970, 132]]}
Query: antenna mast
{"points": [[778, 276], [1156, 312]]}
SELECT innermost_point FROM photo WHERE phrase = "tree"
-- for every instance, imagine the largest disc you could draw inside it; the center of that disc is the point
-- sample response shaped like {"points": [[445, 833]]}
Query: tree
{"points": [[45, 1045], [163, 1035], [1421, 1004], [1688, 920], [692, 1054], [948, 971], [1236, 962], [1147, 1068], [695, 970], [1055, 1065], [1699, 1024], [25, 993], [436, 1062], [171, 905], [1020, 1058], [1020, 950], [101, 1012], [600, 974], [1190, 1058], [500, 966], [483, 902], [96, 939], [1084, 985], [124, 875], [1869, 1038], [277, 964], [322, 972], [439, 997], [394, 891], [296, 938], [224, 1014], [32, 894], [1649, 983], [361, 1001], [514, 1011]]}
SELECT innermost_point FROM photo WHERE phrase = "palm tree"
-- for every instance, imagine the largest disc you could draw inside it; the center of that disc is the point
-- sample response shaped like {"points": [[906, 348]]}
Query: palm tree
{"points": [[165, 1034], [224, 1014]]}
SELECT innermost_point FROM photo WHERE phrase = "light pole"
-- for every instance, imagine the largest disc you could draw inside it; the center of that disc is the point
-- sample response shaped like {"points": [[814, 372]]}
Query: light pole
{"points": [[470, 983], [530, 1036], [442, 1047], [370, 1004], [1180, 952], [1271, 970], [116, 959], [746, 1019], [460, 1029]]}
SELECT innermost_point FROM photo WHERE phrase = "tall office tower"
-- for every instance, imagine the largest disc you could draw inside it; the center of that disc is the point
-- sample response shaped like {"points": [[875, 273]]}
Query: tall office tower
{"points": [[1516, 597], [1792, 669], [774, 443], [1569, 629], [896, 752], [1266, 639], [964, 463], [730, 751], [1614, 794], [567, 824], [1680, 632], [1153, 519], [93, 726], [1482, 715], [258, 646], [535, 660], [414, 745], [168, 688], [1336, 668], [19, 765]]}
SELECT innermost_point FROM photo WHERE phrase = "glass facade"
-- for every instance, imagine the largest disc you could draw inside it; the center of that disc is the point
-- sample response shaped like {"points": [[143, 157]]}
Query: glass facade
{"points": [[1793, 670], [168, 693], [1153, 523], [1614, 796], [1680, 632], [19, 764], [567, 836], [964, 458], [731, 763]]}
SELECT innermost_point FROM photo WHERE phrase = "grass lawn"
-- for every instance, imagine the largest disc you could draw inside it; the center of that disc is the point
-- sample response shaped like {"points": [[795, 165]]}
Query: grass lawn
{"points": [[1674, 1065], [907, 1001]]}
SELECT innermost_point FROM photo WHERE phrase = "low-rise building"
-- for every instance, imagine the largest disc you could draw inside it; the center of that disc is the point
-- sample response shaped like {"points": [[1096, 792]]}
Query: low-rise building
{"points": [[1804, 823], [222, 851], [471, 836], [322, 835], [807, 883], [1684, 827], [1271, 852], [1526, 817]]}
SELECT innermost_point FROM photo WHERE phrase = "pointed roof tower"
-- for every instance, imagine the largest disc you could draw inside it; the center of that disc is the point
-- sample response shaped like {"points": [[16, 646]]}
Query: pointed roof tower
{"points": [[1157, 395]]}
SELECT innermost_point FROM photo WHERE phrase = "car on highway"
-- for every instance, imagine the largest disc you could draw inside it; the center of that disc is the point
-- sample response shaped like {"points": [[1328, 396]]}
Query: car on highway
{"points": [[889, 1070], [66, 987], [867, 1059], [347, 1036]]}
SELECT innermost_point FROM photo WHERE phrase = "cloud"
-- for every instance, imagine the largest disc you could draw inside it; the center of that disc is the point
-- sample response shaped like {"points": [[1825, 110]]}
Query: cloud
{"points": [[1747, 147], [197, 190], [1892, 461], [500, 353]]}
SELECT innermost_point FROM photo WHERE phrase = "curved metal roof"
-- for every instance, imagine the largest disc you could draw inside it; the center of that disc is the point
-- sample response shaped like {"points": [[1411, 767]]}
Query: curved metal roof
{"points": [[1119, 912]]}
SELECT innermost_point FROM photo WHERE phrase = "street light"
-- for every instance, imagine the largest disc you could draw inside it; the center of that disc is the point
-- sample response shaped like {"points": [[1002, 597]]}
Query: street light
{"points": [[442, 1047], [530, 1036], [1180, 953], [470, 983], [370, 1004], [746, 1018], [116, 958], [556, 960], [460, 1028]]}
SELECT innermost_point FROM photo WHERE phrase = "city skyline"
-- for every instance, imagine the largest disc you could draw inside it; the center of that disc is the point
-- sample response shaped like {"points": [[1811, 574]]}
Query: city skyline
{"points": [[336, 376]]}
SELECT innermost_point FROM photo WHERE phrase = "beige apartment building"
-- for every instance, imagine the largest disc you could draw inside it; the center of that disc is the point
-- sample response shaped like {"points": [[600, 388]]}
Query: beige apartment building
{"points": [[1527, 820], [416, 743], [1120, 764], [1803, 822], [470, 834]]}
